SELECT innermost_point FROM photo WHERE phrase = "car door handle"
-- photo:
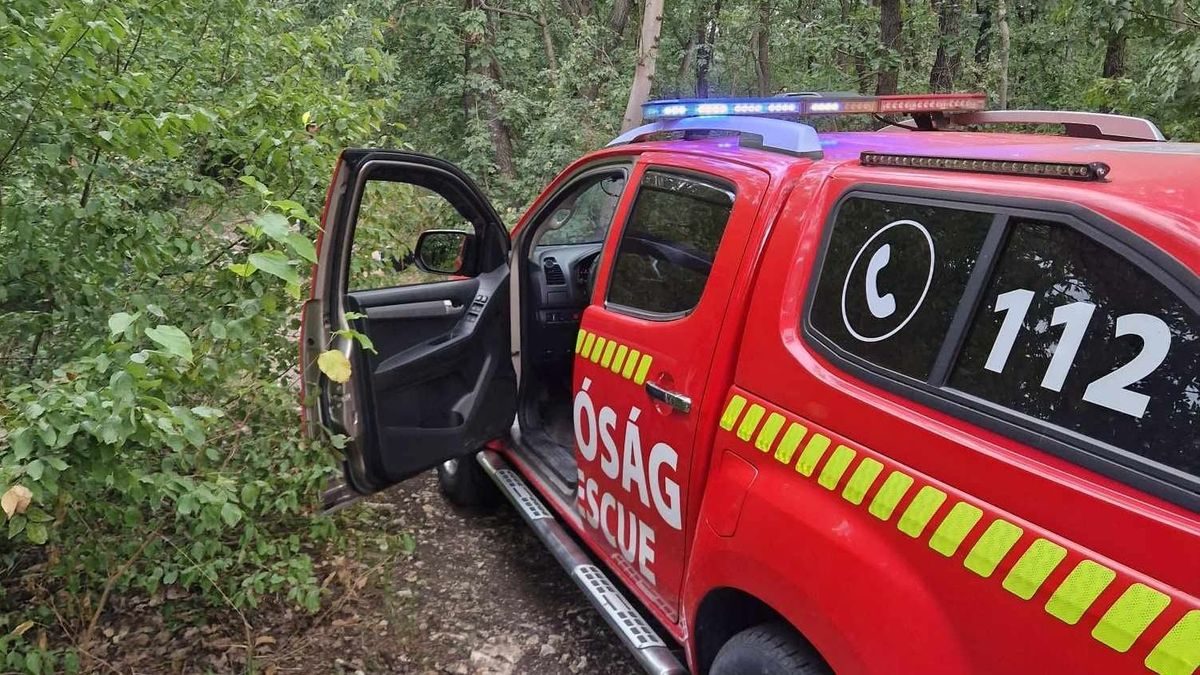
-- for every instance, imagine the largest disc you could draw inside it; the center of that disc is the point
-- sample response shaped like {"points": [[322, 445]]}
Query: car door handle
{"points": [[674, 399]]}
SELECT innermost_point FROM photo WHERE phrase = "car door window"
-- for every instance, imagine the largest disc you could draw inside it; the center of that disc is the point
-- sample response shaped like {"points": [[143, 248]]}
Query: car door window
{"points": [[584, 214], [391, 216], [1075, 335], [668, 245]]}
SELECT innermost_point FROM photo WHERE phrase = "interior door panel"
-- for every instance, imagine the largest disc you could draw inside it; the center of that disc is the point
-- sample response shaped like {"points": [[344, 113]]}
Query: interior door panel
{"points": [[441, 376]]}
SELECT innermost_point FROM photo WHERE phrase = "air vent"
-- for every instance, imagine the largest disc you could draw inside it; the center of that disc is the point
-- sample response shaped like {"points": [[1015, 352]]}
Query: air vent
{"points": [[554, 273]]}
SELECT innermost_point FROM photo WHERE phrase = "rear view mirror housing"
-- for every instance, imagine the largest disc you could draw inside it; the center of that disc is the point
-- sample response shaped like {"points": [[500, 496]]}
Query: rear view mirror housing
{"points": [[444, 251]]}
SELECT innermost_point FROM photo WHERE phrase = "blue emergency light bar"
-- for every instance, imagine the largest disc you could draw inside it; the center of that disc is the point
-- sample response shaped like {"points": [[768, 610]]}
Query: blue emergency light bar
{"points": [[815, 104]]}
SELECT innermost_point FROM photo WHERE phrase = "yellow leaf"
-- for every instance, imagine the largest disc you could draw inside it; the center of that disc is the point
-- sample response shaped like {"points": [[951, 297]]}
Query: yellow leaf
{"points": [[21, 629], [16, 500], [335, 365]]}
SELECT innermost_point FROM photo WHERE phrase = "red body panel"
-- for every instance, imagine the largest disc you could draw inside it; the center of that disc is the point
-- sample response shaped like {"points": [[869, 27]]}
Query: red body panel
{"points": [[822, 540]]}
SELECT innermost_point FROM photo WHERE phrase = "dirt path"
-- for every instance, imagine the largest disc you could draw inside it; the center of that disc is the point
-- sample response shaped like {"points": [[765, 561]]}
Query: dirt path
{"points": [[478, 594], [427, 589]]}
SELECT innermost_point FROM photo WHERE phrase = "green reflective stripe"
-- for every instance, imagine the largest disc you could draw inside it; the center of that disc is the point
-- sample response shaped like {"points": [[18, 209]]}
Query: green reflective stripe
{"points": [[861, 480], [918, 514], [750, 422], [606, 359], [1178, 653], [579, 339], [1032, 568], [1129, 616], [732, 412], [890, 494], [813, 452], [619, 358], [791, 440], [769, 431], [630, 363], [1078, 591], [643, 369], [838, 462], [954, 528], [997, 540], [587, 345], [599, 347]]}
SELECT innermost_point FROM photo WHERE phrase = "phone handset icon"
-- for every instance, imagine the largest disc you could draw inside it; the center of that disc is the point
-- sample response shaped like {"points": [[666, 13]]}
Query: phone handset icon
{"points": [[881, 306]]}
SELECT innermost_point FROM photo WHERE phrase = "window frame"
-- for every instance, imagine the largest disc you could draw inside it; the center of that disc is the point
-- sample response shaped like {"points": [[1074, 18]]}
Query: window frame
{"points": [[1171, 484], [619, 233]]}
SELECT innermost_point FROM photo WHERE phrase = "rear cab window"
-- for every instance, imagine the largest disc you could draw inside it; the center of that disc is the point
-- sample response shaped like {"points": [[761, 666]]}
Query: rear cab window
{"points": [[1048, 324]]}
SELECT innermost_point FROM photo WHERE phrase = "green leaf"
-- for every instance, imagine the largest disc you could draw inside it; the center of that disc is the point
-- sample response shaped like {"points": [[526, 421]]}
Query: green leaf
{"points": [[205, 412], [274, 225], [117, 323], [249, 494], [37, 533], [302, 246], [254, 183], [231, 514], [241, 269], [35, 469], [276, 264], [171, 339]]}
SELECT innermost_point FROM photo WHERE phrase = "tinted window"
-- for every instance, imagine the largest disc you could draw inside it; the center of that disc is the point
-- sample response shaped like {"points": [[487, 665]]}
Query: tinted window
{"points": [[892, 277], [669, 243], [1071, 333]]}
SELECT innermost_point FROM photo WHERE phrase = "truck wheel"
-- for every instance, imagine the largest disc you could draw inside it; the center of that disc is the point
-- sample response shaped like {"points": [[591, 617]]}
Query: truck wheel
{"points": [[768, 649], [464, 483]]}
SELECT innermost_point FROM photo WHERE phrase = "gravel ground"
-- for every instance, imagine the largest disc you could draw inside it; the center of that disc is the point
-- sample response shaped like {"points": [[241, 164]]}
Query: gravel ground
{"points": [[479, 594]]}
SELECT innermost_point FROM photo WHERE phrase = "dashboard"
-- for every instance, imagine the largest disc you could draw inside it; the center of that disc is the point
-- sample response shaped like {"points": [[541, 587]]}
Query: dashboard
{"points": [[560, 285]]}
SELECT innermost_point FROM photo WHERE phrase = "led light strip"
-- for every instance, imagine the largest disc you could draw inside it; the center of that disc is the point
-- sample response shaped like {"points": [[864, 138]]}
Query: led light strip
{"points": [[1177, 653], [621, 359], [791, 106], [1093, 172]]}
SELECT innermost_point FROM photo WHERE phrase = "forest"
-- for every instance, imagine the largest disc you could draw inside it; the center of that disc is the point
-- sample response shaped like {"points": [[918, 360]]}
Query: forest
{"points": [[162, 167]]}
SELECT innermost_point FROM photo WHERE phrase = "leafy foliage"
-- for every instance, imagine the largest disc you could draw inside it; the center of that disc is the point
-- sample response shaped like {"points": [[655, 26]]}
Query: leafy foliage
{"points": [[159, 165]]}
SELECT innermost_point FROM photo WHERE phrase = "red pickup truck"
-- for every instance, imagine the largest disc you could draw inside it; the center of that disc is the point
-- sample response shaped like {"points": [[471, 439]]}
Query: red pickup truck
{"points": [[917, 400]]}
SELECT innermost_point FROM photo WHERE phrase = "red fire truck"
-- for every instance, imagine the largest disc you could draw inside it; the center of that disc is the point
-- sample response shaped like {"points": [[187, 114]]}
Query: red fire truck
{"points": [[917, 400]]}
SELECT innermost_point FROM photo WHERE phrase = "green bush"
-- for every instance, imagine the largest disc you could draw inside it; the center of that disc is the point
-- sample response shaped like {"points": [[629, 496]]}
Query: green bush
{"points": [[149, 288]]}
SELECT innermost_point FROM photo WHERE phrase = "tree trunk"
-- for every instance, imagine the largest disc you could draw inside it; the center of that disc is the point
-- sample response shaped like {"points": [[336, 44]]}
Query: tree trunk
{"points": [[762, 47], [577, 10], [548, 43], [1002, 28], [706, 39], [948, 59], [983, 41], [488, 106], [890, 25], [643, 74], [1114, 56], [618, 18]]}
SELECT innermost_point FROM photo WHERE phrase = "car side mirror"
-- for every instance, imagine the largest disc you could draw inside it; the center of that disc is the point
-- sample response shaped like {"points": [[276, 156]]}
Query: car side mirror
{"points": [[444, 251]]}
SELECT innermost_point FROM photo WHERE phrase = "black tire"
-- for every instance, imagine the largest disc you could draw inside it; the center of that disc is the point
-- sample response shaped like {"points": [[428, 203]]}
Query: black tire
{"points": [[464, 483], [768, 649]]}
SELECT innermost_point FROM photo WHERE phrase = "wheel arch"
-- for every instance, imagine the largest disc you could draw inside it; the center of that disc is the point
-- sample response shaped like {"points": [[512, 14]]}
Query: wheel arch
{"points": [[726, 611]]}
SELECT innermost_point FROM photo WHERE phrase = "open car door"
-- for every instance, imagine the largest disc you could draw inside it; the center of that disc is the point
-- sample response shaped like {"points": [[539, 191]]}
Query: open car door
{"points": [[414, 258]]}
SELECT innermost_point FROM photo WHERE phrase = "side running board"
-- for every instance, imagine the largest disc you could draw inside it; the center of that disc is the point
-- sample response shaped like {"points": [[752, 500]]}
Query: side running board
{"points": [[635, 632]]}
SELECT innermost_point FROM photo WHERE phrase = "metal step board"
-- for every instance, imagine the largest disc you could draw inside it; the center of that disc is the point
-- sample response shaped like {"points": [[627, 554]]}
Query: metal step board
{"points": [[635, 632]]}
